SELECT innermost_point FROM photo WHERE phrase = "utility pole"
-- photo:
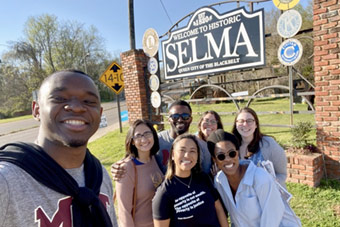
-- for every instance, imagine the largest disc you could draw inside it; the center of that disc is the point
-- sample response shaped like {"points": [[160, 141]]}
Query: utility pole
{"points": [[132, 25]]}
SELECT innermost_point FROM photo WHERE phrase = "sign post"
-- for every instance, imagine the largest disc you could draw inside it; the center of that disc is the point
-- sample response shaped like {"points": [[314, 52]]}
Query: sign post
{"points": [[120, 117], [114, 79]]}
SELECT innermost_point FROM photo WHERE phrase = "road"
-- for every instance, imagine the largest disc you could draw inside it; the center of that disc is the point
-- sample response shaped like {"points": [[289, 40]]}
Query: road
{"points": [[27, 130]]}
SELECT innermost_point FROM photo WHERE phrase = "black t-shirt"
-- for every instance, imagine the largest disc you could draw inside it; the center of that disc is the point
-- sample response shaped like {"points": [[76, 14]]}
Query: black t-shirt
{"points": [[194, 206]]}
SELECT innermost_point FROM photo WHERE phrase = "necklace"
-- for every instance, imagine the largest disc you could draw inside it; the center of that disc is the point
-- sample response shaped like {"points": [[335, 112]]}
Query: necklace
{"points": [[188, 185]]}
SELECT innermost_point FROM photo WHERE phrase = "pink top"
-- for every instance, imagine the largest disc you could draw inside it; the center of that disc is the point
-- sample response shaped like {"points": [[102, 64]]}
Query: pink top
{"points": [[149, 176]]}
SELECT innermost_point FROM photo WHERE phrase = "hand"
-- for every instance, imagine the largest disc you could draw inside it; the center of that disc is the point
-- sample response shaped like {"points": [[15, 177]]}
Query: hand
{"points": [[214, 169], [118, 170]]}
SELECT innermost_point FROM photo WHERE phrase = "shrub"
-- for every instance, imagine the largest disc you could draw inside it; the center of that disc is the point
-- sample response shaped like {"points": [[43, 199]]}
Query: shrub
{"points": [[300, 134]]}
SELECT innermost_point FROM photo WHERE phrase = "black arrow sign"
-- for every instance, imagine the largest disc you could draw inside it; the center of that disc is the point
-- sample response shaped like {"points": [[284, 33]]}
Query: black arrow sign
{"points": [[116, 87], [115, 68]]}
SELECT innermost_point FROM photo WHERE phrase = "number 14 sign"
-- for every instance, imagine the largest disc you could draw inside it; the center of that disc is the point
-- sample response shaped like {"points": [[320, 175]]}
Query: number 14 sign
{"points": [[113, 77]]}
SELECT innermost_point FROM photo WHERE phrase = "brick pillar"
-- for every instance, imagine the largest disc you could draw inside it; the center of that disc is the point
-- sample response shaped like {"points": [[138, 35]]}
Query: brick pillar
{"points": [[327, 82], [137, 92]]}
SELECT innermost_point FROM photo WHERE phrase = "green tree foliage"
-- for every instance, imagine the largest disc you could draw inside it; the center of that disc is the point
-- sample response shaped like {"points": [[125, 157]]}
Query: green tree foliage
{"points": [[48, 45]]}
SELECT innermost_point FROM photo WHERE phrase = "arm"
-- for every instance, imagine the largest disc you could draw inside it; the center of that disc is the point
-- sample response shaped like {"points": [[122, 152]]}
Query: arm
{"points": [[278, 158], [161, 223], [124, 194], [162, 206], [107, 189], [118, 170], [269, 199], [222, 218]]}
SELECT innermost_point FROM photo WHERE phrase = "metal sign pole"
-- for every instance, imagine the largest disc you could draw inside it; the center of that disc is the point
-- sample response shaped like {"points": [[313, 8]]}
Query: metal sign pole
{"points": [[120, 117], [291, 94]]}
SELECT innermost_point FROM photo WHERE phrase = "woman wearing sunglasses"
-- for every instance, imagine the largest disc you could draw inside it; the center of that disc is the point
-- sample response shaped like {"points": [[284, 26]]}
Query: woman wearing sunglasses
{"points": [[258, 147], [135, 191], [248, 192], [187, 197]]}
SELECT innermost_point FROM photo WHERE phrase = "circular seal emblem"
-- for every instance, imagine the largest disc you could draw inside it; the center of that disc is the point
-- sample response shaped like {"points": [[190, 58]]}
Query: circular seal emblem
{"points": [[155, 99], [153, 65], [150, 42], [154, 82], [289, 23], [285, 4], [290, 52]]}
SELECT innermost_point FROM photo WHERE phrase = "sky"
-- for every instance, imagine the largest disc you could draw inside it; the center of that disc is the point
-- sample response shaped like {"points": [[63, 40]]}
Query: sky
{"points": [[110, 17]]}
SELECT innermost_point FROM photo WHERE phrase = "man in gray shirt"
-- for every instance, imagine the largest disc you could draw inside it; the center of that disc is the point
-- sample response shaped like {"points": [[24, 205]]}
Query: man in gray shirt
{"points": [[56, 181], [180, 119]]}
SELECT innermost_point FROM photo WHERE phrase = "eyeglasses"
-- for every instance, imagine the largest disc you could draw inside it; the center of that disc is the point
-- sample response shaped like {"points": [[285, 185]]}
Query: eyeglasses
{"points": [[249, 121], [211, 122], [147, 135], [222, 156], [184, 116]]}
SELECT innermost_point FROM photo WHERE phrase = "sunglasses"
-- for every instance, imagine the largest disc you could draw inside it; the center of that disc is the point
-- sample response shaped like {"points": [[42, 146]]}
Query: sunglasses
{"points": [[222, 156], [184, 116]]}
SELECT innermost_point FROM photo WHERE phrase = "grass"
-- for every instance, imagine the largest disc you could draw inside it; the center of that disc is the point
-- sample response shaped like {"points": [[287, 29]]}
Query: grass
{"points": [[315, 207], [282, 135], [7, 120]]}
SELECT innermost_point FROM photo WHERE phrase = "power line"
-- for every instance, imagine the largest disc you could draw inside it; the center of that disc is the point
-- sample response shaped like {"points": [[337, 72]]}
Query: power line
{"points": [[166, 11]]}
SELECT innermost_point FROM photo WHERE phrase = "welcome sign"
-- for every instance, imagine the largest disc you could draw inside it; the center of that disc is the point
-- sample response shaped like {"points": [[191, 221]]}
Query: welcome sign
{"points": [[212, 43]]}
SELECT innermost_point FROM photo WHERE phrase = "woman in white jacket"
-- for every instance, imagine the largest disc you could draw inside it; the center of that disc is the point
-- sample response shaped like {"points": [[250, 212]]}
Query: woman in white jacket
{"points": [[249, 193]]}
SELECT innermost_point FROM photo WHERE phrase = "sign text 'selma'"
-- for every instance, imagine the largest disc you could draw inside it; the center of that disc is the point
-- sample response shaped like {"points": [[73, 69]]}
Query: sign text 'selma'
{"points": [[212, 43], [113, 77]]}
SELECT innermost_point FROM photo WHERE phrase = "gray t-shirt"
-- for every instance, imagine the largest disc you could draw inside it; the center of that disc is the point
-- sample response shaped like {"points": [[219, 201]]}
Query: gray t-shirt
{"points": [[26, 202], [165, 143]]}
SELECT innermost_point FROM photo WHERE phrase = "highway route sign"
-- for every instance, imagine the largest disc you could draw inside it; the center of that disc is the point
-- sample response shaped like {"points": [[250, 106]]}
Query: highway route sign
{"points": [[290, 52], [113, 77]]}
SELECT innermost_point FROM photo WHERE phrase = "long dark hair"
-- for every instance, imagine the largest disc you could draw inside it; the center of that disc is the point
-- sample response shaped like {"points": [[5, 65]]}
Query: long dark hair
{"points": [[130, 148], [254, 145], [171, 164], [217, 117]]}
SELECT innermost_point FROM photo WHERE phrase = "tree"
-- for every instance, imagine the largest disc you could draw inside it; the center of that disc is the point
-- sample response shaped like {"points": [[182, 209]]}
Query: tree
{"points": [[47, 46], [305, 65]]}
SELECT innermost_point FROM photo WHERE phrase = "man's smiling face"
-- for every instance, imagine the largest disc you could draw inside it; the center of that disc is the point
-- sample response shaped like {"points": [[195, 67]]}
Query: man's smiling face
{"points": [[68, 109], [180, 119]]}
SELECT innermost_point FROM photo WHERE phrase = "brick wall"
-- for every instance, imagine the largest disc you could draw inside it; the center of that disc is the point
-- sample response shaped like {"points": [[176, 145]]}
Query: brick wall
{"points": [[137, 92], [327, 82], [304, 169]]}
